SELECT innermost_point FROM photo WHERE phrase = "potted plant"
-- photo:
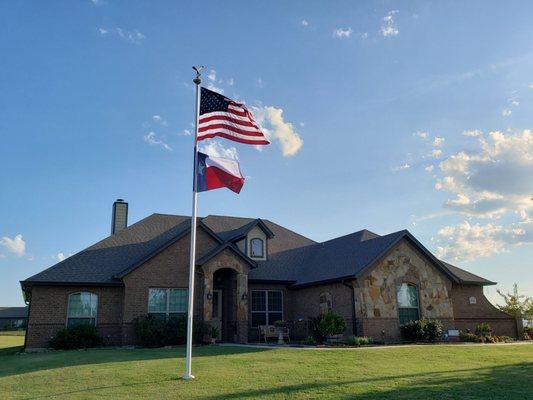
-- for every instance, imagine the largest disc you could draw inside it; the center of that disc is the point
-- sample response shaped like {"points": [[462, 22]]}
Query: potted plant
{"points": [[332, 326], [214, 334], [280, 326]]}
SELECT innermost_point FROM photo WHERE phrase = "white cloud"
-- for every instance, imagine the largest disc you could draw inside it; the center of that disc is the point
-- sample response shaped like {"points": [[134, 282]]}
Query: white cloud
{"points": [[276, 128], [468, 241], [389, 27], [493, 181], [212, 75], [98, 2], [60, 256], [401, 167], [151, 139], [259, 82], [421, 135], [506, 112], [436, 153], [473, 133], [363, 35], [230, 81], [305, 22], [438, 141], [17, 245], [185, 132], [3, 255], [133, 36], [429, 168], [530, 85], [342, 33], [216, 149]]}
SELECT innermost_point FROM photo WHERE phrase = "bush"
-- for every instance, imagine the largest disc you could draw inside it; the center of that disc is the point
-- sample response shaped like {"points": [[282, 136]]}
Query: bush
{"points": [[429, 330], [150, 331], [155, 332], [469, 337], [412, 331], [483, 329], [432, 330], [358, 340], [82, 336], [331, 324], [310, 341]]}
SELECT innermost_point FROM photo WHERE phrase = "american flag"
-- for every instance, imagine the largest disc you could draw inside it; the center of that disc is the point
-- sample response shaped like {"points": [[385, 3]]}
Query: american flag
{"points": [[223, 117]]}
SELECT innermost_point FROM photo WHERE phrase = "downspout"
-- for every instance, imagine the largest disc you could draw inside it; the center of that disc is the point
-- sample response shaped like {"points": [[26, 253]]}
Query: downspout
{"points": [[354, 321]]}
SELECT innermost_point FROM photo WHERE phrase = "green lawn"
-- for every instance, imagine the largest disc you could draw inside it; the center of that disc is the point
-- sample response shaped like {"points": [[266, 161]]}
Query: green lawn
{"points": [[417, 372]]}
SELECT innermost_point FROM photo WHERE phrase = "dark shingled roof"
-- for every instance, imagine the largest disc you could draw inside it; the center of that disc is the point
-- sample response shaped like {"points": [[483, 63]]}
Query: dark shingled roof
{"points": [[13, 312], [291, 257]]}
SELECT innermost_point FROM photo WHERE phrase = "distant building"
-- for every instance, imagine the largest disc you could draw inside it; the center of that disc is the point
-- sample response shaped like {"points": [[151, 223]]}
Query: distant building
{"points": [[13, 318]]}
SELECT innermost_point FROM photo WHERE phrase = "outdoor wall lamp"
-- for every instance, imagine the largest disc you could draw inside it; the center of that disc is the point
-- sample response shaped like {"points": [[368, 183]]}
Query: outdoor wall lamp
{"points": [[209, 296]]}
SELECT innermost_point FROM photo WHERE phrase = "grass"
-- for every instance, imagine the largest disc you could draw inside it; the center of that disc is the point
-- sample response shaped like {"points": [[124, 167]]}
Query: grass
{"points": [[414, 372]]}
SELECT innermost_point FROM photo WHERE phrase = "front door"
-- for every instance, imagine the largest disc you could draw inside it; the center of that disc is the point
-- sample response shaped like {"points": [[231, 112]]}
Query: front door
{"points": [[216, 320]]}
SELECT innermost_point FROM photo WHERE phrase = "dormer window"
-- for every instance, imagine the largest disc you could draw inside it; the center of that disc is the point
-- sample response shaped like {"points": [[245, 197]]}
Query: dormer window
{"points": [[257, 248]]}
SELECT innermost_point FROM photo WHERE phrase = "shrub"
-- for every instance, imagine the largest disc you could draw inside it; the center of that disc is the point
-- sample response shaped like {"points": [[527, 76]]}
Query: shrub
{"points": [[150, 331], [358, 340], [412, 331], [176, 330], [310, 341], [432, 330], [429, 330], [483, 329], [331, 324], [80, 336], [313, 325], [202, 332], [468, 337]]}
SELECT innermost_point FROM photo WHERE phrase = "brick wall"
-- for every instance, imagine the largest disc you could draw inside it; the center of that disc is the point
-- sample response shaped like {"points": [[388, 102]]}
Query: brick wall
{"points": [[48, 313], [468, 316]]}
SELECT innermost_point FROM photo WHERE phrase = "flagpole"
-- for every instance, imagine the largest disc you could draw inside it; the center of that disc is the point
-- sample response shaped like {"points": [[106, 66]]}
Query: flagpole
{"points": [[190, 312]]}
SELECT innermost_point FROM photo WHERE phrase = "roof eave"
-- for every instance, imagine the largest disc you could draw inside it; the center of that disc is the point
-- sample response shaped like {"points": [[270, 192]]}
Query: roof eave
{"points": [[322, 282]]}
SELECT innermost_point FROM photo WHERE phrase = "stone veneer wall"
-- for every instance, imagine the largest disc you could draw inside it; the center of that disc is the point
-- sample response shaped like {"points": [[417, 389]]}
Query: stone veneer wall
{"points": [[377, 309]]}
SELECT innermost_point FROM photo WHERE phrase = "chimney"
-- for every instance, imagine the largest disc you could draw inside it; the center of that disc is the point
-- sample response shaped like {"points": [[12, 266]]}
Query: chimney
{"points": [[120, 216]]}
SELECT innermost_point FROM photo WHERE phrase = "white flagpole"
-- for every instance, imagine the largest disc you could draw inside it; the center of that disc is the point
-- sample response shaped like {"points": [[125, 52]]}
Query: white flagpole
{"points": [[190, 313]]}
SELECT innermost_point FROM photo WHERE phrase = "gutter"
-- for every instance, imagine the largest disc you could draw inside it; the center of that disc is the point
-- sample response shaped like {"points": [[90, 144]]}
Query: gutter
{"points": [[354, 320]]}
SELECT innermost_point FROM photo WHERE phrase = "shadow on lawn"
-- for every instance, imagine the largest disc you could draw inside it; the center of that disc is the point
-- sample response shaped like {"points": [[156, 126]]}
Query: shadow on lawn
{"points": [[15, 363], [502, 382]]}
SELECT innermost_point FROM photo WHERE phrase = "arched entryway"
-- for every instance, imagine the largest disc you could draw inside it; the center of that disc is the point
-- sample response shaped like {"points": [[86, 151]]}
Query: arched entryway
{"points": [[226, 298], [224, 304]]}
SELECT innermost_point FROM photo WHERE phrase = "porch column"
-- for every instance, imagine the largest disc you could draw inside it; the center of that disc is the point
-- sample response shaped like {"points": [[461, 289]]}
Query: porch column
{"points": [[242, 308], [208, 300]]}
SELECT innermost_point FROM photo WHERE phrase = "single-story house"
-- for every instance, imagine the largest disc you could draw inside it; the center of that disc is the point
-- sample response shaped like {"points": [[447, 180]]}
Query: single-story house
{"points": [[13, 318], [251, 272]]}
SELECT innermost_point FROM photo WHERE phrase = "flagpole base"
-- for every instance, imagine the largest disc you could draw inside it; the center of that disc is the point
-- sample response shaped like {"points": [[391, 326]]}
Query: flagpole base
{"points": [[187, 377]]}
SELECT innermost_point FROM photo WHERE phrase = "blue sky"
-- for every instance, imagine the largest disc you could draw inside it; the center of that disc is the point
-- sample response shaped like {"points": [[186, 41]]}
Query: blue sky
{"points": [[383, 115]]}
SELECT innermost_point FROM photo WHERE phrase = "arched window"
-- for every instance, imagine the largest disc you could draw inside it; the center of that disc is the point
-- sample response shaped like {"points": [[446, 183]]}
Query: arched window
{"points": [[256, 248], [325, 302], [408, 305], [82, 308]]}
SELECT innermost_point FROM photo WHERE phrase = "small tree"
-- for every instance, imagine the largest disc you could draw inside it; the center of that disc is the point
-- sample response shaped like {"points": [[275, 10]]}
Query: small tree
{"points": [[516, 304]]}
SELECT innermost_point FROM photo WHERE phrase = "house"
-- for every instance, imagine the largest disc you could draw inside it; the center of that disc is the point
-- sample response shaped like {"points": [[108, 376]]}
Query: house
{"points": [[250, 272], [13, 318]]}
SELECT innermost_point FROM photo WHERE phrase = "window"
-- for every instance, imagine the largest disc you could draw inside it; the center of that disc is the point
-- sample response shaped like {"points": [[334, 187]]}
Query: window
{"points": [[256, 248], [267, 307], [407, 296], [82, 308], [325, 303], [166, 303]]}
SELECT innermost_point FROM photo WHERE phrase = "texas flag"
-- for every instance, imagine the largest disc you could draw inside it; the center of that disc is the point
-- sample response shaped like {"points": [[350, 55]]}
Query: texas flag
{"points": [[216, 172]]}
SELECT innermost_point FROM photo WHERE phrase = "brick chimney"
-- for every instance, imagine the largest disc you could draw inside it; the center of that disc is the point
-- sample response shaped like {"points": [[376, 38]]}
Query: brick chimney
{"points": [[119, 219]]}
